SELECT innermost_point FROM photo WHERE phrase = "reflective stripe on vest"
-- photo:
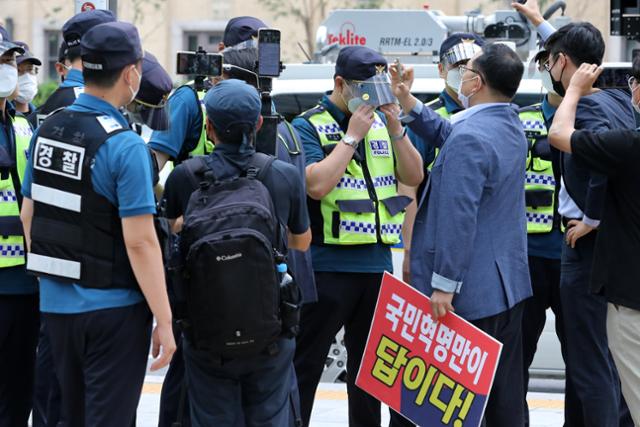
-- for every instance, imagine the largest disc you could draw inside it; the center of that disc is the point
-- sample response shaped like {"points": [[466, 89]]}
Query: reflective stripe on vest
{"points": [[350, 216], [204, 146], [444, 113], [12, 245], [539, 175]]}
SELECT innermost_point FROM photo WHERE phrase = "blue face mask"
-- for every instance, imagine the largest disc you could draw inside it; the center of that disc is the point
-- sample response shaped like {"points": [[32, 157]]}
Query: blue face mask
{"points": [[465, 99]]}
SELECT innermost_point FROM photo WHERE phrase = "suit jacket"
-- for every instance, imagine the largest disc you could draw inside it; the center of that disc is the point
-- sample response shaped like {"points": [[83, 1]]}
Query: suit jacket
{"points": [[470, 232]]}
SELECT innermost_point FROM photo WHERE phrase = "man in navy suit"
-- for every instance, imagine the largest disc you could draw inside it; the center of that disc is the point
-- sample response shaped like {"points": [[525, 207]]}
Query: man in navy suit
{"points": [[469, 247]]}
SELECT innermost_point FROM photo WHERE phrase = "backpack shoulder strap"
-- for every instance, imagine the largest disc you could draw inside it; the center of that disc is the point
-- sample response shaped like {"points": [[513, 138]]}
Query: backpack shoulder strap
{"points": [[260, 163], [195, 168]]}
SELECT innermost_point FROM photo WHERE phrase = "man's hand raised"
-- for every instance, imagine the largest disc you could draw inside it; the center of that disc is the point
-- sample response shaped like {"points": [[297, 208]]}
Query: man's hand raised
{"points": [[531, 10]]}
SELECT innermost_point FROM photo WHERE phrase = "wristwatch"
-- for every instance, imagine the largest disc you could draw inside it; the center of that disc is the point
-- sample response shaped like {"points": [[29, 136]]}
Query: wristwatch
{"points": [[351, 141]]}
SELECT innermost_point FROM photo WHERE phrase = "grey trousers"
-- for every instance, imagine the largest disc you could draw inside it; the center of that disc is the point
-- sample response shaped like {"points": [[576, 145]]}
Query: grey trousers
{"points": [[623, 331]]}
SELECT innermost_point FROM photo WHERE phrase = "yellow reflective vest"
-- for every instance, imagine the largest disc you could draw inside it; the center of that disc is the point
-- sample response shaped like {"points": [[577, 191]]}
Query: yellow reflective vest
{"points": [[364, 208], [540, 183], [12, 248]]}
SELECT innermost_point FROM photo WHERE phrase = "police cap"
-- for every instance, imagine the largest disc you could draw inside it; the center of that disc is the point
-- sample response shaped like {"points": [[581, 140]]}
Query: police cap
{"points": [[232, 102], [27, 56], [6, 45], [110, 46], [78, 25], [62, 52], [460, 47], [240, 29], [359, 63], [155, 84]]}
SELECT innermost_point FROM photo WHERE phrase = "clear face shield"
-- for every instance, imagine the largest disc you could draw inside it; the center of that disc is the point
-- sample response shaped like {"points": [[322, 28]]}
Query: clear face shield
{"points": [[458, 55], [156, 117], [374, 91]]}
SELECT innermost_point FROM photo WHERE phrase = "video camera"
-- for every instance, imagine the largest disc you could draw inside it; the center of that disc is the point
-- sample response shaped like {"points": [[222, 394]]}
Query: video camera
{"points": [[199, 64], [269, 66], [202, 65]]}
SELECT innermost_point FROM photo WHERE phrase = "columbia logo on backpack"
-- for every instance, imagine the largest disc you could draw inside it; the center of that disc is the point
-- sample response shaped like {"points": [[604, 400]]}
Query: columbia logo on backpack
{"points": [[230, 246], [223, 258]]}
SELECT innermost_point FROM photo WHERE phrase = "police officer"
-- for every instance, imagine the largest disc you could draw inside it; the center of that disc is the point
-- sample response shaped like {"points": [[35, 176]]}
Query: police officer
{"points": [[27, 83], [69, 67], [18, 292], [354, 161], [456, 50], [73, 84], [63, 65], [88, 215], [255, 388]]}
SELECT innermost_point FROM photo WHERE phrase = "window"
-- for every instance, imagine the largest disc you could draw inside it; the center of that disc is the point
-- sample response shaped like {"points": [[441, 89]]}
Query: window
{"points": [[207, 39], [52, 41]]}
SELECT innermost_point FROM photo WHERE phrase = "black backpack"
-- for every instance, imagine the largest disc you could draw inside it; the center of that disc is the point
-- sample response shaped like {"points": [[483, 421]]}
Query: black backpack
{"points": [[229, 244]]}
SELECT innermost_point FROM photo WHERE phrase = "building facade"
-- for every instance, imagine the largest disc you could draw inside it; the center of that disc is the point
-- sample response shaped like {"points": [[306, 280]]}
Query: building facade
{"points": [[167, 26]]}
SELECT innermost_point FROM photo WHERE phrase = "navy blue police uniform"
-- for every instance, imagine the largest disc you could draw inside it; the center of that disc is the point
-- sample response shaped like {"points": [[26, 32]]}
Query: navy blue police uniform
{"points": [[46, 410], [88, 170], [214, 388], [73, 85]]}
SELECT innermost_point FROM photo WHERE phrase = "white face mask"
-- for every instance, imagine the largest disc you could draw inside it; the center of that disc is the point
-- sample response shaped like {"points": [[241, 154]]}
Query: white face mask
{"points": [[454, 79], [134, 93], [547, 83], [27, 88], [8, 80], [465, 99]]}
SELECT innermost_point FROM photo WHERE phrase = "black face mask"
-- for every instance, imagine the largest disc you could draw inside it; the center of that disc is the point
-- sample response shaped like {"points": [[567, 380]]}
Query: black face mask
{"points": [[557, 84]]}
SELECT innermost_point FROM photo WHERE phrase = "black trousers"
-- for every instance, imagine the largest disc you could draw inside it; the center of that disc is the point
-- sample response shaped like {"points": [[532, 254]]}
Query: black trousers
{"points": [[589, 362], [100, 359], [46, 395], [505, 407], [19, 320], [349, 300], [545, 281], [174, 389]]}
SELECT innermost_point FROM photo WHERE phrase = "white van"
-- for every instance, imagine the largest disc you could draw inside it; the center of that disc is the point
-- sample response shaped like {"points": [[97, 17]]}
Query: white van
{"points": [[301, 86]]}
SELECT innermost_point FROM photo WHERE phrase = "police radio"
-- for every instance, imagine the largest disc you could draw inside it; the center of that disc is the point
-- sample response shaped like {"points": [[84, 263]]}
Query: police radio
{"points": [[269, 66]]}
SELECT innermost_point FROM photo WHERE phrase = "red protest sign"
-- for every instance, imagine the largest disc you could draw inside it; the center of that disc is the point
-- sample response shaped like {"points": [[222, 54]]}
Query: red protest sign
{"points": [[434, 373], [87, 6]]}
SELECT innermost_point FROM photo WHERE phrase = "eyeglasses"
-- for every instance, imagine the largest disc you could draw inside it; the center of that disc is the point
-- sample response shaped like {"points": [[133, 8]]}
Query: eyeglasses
{"points": [[633, 83], [547, 64], [463, 69]]}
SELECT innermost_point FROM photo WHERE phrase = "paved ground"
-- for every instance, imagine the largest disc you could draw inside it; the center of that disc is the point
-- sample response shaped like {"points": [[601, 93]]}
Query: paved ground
{"points": [[330, 409]]}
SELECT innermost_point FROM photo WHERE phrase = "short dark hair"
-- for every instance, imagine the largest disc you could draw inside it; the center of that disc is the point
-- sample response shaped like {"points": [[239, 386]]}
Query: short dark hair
{"points": [[235, 134], [105, 79], [243, 58], [501, 68], [580, 41], [72, 53], [635, 67]]}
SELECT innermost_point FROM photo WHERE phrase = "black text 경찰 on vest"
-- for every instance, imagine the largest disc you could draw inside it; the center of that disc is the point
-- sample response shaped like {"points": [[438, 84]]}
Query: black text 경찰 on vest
{"points": [[540, 184], [76, 234]]}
